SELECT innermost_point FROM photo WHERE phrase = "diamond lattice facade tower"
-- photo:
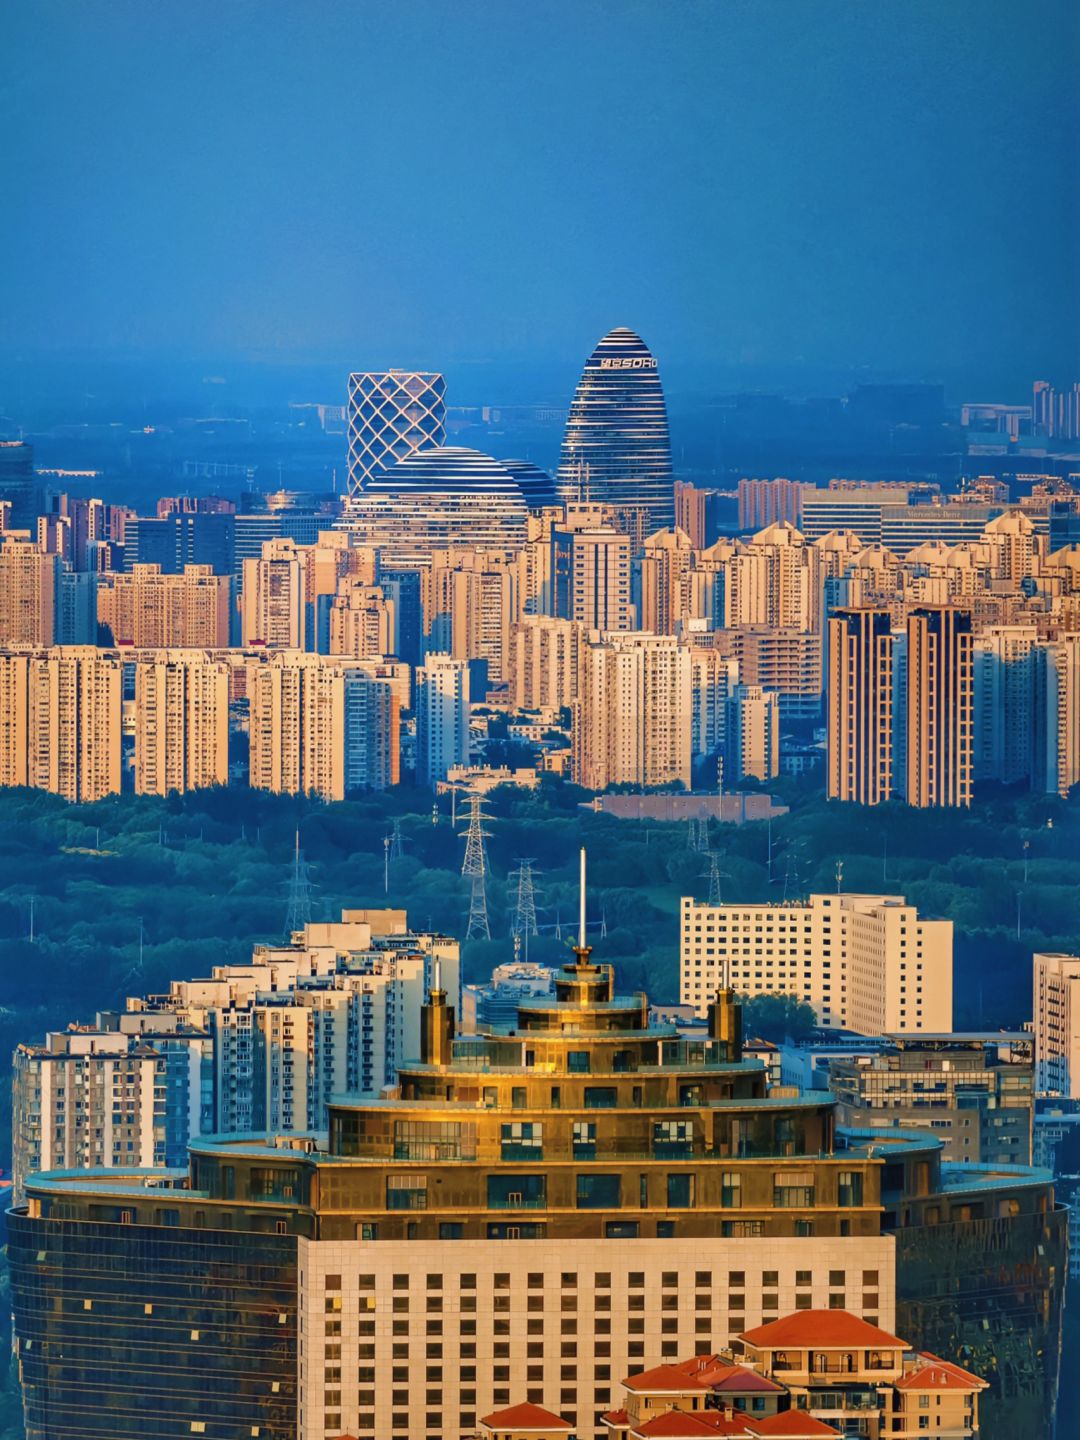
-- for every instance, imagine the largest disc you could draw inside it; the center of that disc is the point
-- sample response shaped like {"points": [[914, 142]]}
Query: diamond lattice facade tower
{"points": [[616, 449], [391, 415]]}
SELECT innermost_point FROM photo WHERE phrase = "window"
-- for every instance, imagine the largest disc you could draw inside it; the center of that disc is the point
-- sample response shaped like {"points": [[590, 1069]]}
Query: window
{"points": [[523, 1140], [516, 1192], [621, 1230], [673, 1137], [730, 1189], [598, 1192], [584, 1140], [793, 1188], [406, 1192], [577, 1062], [850, 1188], [681, 1191], [600, 1097]]}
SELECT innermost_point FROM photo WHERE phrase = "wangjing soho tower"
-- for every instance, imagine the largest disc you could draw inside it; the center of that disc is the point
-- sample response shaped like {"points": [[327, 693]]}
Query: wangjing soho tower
{"points": [[616, 450], [392, 414]]}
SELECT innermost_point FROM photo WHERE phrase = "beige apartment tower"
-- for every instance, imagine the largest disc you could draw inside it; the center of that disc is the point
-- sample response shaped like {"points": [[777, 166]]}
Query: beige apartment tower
{"points": [[860, 701], [633, 713], [152, 611], [868, 963], [181, 724], [73, 723], [28, 584], [1056, 1007]]}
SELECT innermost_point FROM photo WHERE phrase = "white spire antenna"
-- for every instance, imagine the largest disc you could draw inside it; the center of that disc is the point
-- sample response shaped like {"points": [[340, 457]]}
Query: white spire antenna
{"points": [[436, 974], [581, 928]]}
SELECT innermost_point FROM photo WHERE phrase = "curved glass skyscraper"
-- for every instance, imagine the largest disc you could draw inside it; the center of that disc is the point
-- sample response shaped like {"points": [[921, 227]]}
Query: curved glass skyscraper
{"points": [[616, 450]]}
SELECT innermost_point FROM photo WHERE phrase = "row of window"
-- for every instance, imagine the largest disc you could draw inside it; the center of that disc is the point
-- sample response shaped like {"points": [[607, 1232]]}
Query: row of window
{"points": [[601, 1280]]}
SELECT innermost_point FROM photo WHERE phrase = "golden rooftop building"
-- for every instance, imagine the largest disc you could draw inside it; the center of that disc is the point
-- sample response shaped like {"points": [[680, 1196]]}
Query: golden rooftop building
{"points": [[522, 1216]]}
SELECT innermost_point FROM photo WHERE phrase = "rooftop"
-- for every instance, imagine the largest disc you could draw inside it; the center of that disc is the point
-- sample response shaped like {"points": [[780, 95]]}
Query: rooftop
{"points": [[822, 1330]]}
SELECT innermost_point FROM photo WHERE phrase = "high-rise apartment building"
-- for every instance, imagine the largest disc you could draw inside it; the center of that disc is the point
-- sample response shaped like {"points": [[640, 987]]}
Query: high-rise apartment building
{"points": [[616, 449], [29, 579], [181, 723], [855, 507], [441, 703], [868, 963], [1056, 1006], [633, 712], [390, 415], [151, 610], [61, 728], [753, 733], [1007, 687], [940, 702], [544, 662], [363, 621], [770, 502], [773, 579], [661, 571], [860, 706], [322, 725], [470, 600], [592, 577], [91, 1098], [251, 1046], [714, 679], [1058, 755], [273, 598]]}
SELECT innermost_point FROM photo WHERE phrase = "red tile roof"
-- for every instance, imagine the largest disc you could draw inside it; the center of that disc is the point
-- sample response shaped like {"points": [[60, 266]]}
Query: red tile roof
{"points": [[789, 1425], [665, 1379], [937, 1374], [821, 1330], [615, 1417], [687, 1425], [525, 1417]]}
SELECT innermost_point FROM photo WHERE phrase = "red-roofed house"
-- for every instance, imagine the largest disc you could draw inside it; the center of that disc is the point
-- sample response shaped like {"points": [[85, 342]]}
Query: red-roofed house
{"points": [[790, 1425], [823, 1347], [525, 1422]]}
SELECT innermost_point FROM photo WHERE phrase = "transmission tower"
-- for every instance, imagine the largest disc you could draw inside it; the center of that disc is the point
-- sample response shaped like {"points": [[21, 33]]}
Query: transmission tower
{"points": [[697, 833], [716, 875], [397, 843], [298, 914], [524, 921], [475, 867]]}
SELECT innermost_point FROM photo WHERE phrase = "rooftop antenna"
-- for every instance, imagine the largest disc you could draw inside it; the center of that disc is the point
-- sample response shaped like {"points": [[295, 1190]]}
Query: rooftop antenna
{"points": [[583, 943]]}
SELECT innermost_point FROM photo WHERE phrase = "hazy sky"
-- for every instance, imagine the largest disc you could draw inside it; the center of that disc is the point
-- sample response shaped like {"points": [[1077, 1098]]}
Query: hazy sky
{"points": [[888, 184]]}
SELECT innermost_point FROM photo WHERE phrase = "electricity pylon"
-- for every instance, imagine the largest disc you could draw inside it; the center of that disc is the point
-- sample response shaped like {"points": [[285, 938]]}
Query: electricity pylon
{"points": [[524, 921], [300, 888], [397, 842], [475, 867], [716, 875]]}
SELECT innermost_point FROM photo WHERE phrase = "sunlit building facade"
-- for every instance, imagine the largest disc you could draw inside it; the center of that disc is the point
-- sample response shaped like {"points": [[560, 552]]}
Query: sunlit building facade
{"points": [[617, 449]]}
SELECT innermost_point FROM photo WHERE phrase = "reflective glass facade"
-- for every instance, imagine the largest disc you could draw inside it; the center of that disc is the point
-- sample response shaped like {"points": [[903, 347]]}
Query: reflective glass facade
{"points": [[137, 1329], [390, 416], [616, 450]]}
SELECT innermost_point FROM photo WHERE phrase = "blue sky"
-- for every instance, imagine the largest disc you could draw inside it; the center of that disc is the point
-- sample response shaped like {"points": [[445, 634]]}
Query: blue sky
{"points": [[879, 185]]}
